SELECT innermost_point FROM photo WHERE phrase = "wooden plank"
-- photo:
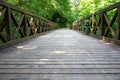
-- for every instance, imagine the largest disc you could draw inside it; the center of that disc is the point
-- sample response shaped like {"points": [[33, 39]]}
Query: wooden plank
{"points": [[61, 60], [61, 52], [47, 66], [59, 76], [60, 71], [64, 63]]}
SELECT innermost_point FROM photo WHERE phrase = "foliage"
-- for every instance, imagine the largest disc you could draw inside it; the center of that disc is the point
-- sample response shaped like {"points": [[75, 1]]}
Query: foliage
{"points": [[46, 8], [90, 6], [69, 9]]}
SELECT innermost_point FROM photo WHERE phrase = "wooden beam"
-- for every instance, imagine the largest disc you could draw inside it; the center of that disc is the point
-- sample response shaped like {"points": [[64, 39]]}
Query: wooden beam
{"points": [[43, 26], [24, 25], [111, 29], [94, 25], [116, 5], [3, 3], [8, 27], [102, 25], [114, 18], [38, 26], [3, 24], [106, 32], [118, 25], [14, 20]]}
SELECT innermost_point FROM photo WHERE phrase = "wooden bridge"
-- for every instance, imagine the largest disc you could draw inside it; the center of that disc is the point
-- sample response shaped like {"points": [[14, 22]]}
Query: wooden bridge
{"points": [[56, 54]]}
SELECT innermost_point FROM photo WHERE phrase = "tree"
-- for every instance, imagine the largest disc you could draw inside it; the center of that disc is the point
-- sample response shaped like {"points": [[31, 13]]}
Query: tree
{"points": [[90, 6], [69, 9]]}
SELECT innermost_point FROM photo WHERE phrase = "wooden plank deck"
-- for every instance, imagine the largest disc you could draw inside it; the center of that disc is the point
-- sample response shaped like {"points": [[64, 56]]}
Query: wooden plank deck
{"points": [[61, 55]]}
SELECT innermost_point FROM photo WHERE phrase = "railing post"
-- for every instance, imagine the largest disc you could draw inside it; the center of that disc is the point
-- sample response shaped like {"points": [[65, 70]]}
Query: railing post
{"points": [[93, 24], [8, 27], [38, 24], [102, 24], [43, 26], [24, 24], [118, 25], [47, 26]]}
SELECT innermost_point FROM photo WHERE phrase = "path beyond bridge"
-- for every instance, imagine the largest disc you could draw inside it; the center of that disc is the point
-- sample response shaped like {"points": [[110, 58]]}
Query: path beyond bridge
{"points": [[61, 55]]}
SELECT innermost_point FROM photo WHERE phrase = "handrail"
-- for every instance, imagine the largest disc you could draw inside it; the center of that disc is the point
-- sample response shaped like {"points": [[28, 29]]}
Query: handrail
{"points": [[16, 23], [100, 24]]}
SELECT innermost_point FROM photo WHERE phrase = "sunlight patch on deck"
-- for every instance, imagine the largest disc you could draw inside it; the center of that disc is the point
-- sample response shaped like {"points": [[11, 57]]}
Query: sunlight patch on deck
{"points": [[59, 52], [27, 47]]}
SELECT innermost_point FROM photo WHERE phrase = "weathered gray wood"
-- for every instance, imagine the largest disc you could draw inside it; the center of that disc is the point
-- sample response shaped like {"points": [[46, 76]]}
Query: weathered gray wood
{"points": [[65, 54], [60, 77], [62, 66], [13, 42], [60, 71]]}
